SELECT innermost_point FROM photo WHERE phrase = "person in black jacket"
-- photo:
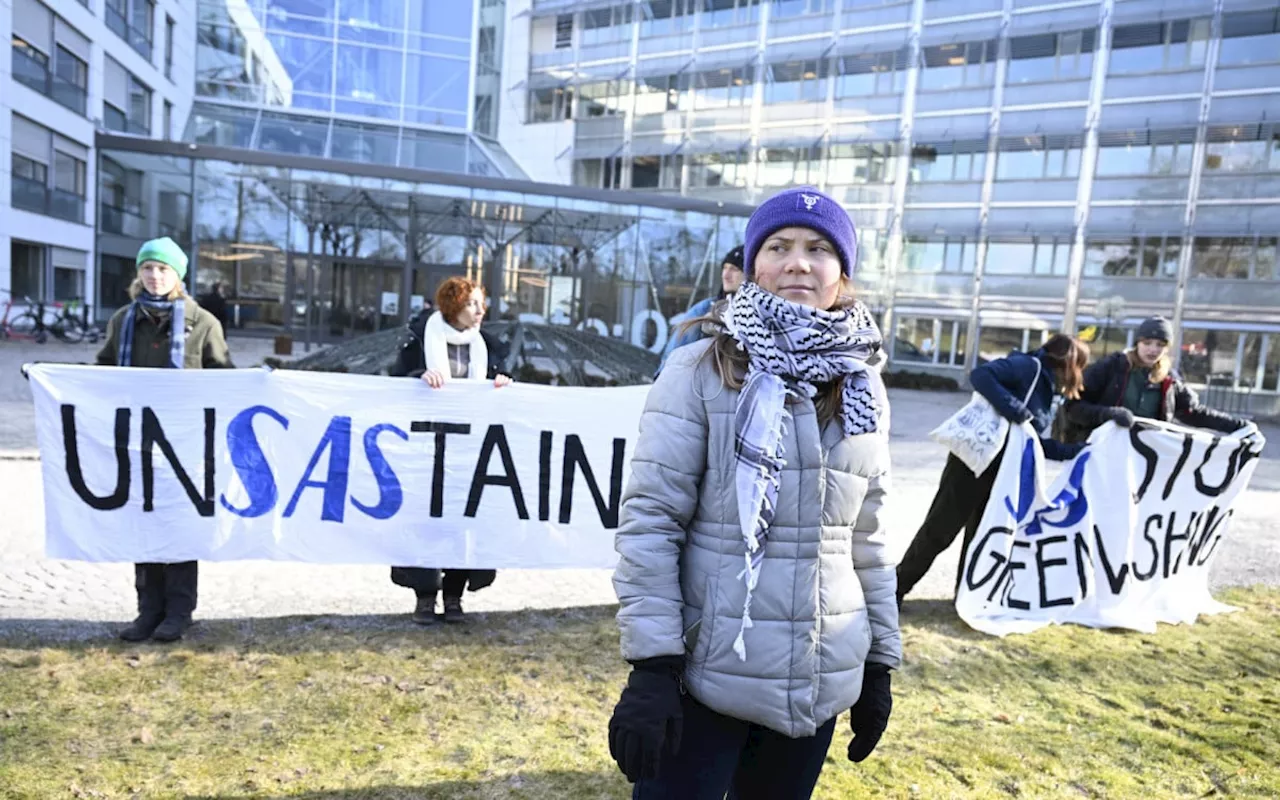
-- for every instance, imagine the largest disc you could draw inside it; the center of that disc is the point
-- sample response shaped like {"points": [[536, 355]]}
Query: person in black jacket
{"points": [[1054, 369], [1140, 383], [215, 302], [441, 346]]}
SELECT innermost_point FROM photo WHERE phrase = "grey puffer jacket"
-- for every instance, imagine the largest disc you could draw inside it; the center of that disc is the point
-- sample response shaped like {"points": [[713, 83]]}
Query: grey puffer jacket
{"points": [[824, 604]]}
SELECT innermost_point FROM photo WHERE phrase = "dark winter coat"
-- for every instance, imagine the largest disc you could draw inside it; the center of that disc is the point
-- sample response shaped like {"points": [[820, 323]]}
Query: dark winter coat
{"points": [[411, 359], [1104, 385], [205, 348], [1006, 381]]}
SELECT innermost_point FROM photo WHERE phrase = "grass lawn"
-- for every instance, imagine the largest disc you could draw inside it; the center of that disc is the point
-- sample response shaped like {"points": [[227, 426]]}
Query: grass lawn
{"points": [[515, 705]]}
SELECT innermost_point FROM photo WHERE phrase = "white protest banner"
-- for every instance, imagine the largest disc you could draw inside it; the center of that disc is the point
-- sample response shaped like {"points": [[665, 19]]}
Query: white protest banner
{"points": [[222, 465], [1124, 538]]}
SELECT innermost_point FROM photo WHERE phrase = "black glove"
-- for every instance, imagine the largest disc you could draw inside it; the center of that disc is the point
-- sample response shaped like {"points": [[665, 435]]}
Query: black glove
{"points": [[870, 715], [1019, 413], [1120, 416], [647, 721]]}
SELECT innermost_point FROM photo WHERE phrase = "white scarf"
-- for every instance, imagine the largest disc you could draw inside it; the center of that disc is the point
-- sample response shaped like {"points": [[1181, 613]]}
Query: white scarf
{"points": [[435, 345], [790, 349]]}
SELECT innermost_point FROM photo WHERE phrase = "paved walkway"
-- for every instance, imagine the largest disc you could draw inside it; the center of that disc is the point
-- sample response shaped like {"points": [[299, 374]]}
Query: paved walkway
{"points": [[34, 589]]}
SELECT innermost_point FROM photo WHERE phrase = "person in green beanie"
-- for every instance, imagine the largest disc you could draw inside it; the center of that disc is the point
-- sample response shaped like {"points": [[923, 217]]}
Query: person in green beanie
{"points": [[142, 334]]}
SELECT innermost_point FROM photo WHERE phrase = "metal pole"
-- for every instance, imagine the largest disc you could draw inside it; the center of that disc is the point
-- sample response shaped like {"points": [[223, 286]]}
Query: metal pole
{"points": [[410, 262], [311, 282]]}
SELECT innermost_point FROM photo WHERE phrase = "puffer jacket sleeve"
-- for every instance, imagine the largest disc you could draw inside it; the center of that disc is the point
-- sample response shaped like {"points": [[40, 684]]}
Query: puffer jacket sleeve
{"points": [[877, 573], [657, 506]]}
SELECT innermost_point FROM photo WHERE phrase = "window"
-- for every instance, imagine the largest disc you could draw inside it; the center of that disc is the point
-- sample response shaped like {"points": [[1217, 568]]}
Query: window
{"points": [[598, 173], [26, 276], [30, 190], [659, 94], [1146, 256], [168, 120], [132, 20], [564, 31], [1145, 152], [604, 25], [711, 170], [70, 80], [1031, 255], [1251, 37], [790, 166], [853, 164], [925, 340], [996, 342], [68, 174], [796, 8], [168, 47], [30, 66], [1242, 148], [1028, 157], [871, 74], [1159, 46], [126, 103], [797, 81], [662, 17], [954, 66], [723, 13], [601, 99], [948, 161], [1051, 57], [1238, 359], [551, 105], [120, 199], [951, 254], [1237, 258], [723, 88], [68, 274], [656, 172]]}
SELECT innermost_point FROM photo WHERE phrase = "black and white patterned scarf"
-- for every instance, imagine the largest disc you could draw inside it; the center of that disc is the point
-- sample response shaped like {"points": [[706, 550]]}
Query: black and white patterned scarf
{"points": [[792, 349]]}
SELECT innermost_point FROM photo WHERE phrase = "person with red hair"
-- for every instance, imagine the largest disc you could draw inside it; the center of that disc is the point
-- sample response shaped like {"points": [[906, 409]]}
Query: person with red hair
{"points": [[450, 346]]}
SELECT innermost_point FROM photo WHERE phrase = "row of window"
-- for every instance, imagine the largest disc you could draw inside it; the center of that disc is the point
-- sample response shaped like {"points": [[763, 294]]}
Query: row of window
{"points": [[1229, 149], [1249, 38], [48, 175], [1151, 255]]}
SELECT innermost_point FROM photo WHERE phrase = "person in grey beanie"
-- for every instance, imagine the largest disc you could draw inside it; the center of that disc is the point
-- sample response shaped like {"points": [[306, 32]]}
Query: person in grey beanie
{"points": [[754, 573], [1140, 383]]}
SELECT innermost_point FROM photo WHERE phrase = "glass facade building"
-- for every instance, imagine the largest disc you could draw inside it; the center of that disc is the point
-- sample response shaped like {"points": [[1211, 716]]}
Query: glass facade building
{"points": [[325, 250], [1014, 166], [378, 81]]}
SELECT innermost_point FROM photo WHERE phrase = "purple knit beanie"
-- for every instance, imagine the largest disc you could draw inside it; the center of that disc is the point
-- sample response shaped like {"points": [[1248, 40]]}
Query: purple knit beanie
{"points": [[803, 207]]}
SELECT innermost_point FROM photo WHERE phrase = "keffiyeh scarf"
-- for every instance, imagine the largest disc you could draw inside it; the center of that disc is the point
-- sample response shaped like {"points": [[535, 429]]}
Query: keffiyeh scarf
{"points": [[792, 349]]}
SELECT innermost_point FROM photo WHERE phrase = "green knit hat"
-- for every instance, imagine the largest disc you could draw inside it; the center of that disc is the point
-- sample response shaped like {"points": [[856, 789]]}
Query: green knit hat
{"points": [[166, 251]]}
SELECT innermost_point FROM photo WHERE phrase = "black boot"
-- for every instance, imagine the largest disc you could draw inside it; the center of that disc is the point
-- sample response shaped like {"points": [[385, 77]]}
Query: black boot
{"points": [[424, 613], [453, 609], [180, 584], [148, 579]]}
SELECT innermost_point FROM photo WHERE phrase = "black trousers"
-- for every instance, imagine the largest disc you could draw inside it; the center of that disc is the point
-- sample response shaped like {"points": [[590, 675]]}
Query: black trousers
{"points": [[426, 581], [720, 754], [959, 503], [167, 589]]}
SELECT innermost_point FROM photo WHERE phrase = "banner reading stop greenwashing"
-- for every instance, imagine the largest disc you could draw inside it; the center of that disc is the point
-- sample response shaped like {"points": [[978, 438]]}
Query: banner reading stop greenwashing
{"points": [[1124, 538]]}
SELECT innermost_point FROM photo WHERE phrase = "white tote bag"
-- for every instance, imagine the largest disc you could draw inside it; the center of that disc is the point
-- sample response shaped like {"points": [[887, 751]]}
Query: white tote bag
{"points": [[975, 433]]}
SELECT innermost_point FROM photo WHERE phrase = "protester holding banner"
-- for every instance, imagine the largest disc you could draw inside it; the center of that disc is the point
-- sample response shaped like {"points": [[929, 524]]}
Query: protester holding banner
{"points": [[142, 334], [448, 345], [750, 624], [731, 277], [1140, 383], [1021, 387]]}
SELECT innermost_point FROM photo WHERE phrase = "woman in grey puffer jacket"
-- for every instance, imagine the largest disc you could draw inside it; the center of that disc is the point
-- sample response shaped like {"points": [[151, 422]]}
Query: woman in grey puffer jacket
{"points": [[757, 595]]}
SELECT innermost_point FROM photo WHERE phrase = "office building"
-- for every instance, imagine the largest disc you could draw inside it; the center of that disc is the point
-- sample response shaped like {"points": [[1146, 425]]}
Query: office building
{"points": [[1014, 166], [76, 68]]}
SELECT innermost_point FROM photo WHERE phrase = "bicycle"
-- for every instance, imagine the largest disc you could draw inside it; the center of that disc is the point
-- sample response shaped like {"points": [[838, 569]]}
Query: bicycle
{"points": [[26, 326], [30, 325]]}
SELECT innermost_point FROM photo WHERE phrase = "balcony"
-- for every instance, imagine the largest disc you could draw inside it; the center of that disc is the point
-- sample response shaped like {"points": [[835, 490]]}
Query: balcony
{"points": [[1034, 190], [1249, 77], [122, 222], [954, 99], [1141, 187], [114, 120], [945, 192], [944, 9], [36, 76], [37, 198], [854, 18], [1239, 186], [140, 41]]}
